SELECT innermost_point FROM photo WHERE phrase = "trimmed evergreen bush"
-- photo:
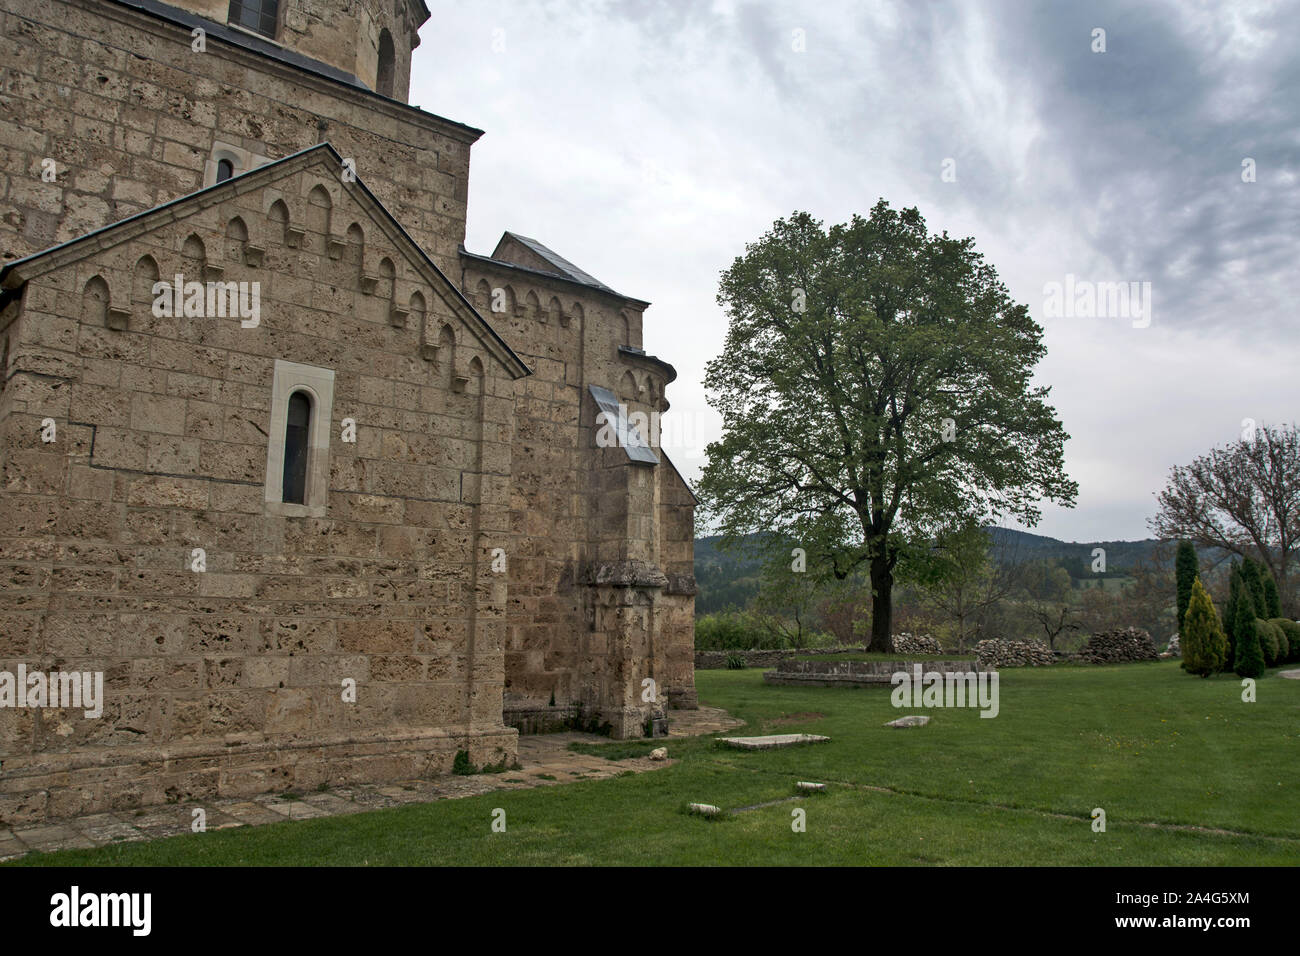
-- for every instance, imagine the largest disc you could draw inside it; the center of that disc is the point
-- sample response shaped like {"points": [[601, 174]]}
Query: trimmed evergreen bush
{"points": [[1185, 570], [1270, 642], [1291, 631], [1203, 644], [1272, 599], [1253, 575], [1230, 610], [1248, 656]]}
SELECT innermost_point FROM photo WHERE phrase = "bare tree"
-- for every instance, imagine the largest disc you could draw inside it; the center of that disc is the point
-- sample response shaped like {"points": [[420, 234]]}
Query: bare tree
{"points": [[1054, 618], [970, 575], [1243, 498]]}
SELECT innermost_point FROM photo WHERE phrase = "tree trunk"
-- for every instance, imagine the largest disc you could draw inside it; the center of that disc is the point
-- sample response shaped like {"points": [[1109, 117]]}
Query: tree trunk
{"points": [[882, 605]]}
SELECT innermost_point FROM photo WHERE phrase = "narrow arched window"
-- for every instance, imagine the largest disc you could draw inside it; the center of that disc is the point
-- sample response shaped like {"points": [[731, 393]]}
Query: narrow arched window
{"points": [[296, 437], [384, 73], [225, 169]]}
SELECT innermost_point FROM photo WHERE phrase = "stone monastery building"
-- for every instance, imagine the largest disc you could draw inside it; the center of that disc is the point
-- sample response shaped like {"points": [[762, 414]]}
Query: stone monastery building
{"points": [[318, 492]]}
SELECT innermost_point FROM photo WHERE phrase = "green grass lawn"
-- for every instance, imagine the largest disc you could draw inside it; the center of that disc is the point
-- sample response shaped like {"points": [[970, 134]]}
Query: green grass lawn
{"points": [[1173, 760]]}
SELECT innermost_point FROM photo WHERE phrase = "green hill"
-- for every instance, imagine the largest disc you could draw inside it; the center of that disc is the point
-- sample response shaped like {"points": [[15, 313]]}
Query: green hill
{"points": [[730, 579]]}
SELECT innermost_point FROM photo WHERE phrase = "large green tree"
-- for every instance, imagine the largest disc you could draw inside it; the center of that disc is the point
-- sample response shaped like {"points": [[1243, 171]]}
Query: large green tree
{"points": [[874, 389]]}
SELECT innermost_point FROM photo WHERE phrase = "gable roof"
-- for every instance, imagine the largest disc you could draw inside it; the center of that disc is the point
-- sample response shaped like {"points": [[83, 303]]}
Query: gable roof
{"points": [[14, 274], [561, 265], [542, 261]]}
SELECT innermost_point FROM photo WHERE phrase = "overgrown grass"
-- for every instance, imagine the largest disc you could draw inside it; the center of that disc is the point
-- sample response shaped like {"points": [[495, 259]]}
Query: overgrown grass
{"points": [[1153, 747]]}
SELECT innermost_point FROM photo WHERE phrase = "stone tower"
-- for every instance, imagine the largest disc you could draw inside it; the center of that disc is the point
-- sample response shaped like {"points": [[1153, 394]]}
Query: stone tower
{"points": [[369, 522]]}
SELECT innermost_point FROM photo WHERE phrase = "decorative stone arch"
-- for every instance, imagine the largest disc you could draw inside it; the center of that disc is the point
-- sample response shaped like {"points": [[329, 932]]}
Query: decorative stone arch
{"points": [[418, 309], [512, 304], [533, 306], [475, 379], [95, 301], [236, 239], [320, 206], [628, 389], [354, 250], [387, 273], [195, 264], [625, 329], [483, 296], [323, 199], [446, 355], [144, 274], [556, 311], [288, 218]]}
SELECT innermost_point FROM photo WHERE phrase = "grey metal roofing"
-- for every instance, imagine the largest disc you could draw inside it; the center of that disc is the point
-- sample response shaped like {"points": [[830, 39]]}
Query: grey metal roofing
{"points": [[629, 439], [565, 267]]}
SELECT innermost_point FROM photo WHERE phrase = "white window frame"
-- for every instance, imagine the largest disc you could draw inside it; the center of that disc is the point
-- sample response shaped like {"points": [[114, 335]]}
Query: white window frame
{"points": [[318, 383], [243, 160]]}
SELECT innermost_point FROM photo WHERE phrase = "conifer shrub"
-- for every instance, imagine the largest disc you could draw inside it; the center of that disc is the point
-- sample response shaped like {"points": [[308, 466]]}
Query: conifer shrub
{"points": [[1248, 656], [1203, 645]]}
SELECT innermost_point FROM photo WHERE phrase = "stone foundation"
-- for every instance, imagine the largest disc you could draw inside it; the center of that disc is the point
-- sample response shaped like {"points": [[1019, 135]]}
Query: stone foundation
{"points": [[51, 786]]}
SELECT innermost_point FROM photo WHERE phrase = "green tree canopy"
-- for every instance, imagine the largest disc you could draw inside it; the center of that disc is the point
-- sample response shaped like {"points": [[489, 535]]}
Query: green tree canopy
{"points": [[874, 389]]}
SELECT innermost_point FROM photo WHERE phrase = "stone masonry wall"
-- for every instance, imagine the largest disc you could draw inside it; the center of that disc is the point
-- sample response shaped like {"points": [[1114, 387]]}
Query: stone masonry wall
{"points": [[575, 506], [228, 681], [129, 114]]}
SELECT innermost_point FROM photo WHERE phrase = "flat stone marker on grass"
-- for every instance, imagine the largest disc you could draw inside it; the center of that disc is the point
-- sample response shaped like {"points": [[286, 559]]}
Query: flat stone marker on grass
{"points": [[807, 785], [772, 741], [1289, 675], [914, 720], [705, 809]]}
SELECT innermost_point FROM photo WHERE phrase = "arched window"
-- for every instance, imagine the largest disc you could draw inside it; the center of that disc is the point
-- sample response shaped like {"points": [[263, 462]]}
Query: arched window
{"points": [[297, 432], [225, 169], [384, 76]]}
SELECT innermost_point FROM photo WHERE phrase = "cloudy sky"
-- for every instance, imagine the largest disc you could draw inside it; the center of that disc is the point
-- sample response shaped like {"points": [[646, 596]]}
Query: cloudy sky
{"points": [[649, 141]]}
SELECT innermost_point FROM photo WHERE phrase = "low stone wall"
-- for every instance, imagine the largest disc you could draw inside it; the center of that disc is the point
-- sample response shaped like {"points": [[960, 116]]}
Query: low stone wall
{"points": [[717, 660], [857, 673], [995, 652], [1118, 646]]}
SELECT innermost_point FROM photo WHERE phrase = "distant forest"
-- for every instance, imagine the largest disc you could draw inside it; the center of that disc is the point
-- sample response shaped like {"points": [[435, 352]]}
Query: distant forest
{"points": [[730, 579]]}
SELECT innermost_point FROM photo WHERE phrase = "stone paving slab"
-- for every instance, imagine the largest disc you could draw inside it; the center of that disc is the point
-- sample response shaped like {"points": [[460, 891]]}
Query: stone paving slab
{"points": [[772, 741], [545, 755], [105, 828]]}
